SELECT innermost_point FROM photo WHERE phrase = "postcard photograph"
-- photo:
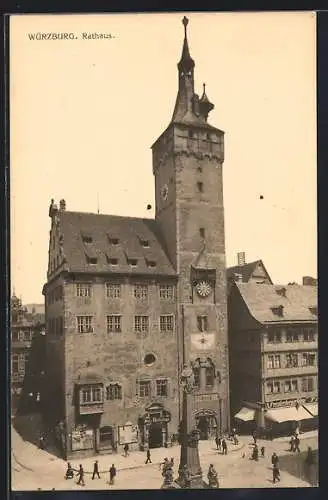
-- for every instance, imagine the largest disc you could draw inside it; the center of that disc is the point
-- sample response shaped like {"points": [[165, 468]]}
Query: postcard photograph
{"points": [[164, 321]]}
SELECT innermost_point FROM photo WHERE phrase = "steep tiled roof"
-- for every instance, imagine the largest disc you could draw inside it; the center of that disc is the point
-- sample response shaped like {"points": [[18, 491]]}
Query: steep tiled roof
{"points": [[262, 300], [245, 271], [102, 231]]}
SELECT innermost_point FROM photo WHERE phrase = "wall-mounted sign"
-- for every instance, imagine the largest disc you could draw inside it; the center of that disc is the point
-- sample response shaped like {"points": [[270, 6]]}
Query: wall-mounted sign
{"points": [[82, 439], [128, 434], [287, 403], [206, 397]]}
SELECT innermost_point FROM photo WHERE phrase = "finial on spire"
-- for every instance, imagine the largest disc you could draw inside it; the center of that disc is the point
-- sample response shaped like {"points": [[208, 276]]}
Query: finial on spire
{"points": [[204, 87], [185, 22]]}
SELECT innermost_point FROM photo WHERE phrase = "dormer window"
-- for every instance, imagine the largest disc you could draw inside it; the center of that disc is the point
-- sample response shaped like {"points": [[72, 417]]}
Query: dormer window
{"points": [[281, 291], [190, 134], [92, 260], [151, 263], [144, 243], [113, 262], [133, 262], [202, 232], [200, 187], [113, 241], [278, 310], [87, 238]]}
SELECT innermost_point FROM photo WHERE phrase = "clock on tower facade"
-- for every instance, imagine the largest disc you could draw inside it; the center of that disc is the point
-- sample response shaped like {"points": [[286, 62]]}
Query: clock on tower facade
{"points": [[187, 166]]}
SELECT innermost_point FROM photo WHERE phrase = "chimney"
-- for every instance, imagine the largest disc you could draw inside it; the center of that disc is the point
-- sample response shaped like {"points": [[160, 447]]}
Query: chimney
{"points": [[309, 281], [62, 205], [241, 258]]}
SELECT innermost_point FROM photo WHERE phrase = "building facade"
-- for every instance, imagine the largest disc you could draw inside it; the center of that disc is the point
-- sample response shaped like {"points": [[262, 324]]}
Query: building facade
{"points": [[130, 301], [23, 327], [246, 272], [273, 341]]}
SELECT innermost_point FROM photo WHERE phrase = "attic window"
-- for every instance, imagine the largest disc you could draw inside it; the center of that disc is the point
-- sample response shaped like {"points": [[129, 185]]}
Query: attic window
{"points": [[113, 241], [151, 263], [281, 291], [113, 262], [132, 262], [144, 243], [278, 310], [200, 187], [92, 260], [190, 134], [202, 232], [314, 310], [87, 238]]}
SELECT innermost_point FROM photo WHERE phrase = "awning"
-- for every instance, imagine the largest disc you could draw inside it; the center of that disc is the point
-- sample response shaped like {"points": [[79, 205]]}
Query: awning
{"points": [[291, 414], [312, 409], [245, 414]]}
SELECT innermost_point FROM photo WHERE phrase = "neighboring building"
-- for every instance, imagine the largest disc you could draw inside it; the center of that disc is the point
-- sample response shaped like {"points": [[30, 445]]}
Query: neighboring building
{"points": [[23, 327], [273, 343], [129, 301], [254, 272], [309, 281]]}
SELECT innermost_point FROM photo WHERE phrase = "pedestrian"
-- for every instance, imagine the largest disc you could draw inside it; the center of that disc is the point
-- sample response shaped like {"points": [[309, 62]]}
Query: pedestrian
{"points": [[274, 459], [165, 465], [172, 462], [112, 474], [126, 450], [297, 444], [69, 472], [255, 455], [224, 447], [254, 436], [148, 457], [292, 444], [212, 477], [235, 439], [217, 442], [80, 474], [276, 473], [262, 452], [41, 442], [95, 470]]}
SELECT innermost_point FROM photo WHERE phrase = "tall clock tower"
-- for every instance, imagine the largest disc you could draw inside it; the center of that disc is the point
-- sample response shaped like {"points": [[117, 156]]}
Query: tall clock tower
{"points": [[187, 165]]}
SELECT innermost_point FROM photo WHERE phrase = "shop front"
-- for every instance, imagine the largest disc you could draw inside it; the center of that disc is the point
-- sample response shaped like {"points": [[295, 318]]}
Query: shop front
{"points": [[282, 418], [153, 427], [206, 423]]}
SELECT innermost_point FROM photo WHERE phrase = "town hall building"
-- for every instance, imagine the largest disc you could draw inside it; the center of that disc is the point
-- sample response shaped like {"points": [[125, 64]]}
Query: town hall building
{"points": [[130, 301]]}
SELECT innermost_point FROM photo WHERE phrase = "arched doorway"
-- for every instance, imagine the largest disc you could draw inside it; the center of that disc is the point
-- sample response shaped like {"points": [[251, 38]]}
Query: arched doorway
{"points": [[206, 423], [153, 426]]}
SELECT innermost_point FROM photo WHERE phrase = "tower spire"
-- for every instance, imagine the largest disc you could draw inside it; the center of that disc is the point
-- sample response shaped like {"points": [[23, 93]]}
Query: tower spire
{"points": [[186, 62]]}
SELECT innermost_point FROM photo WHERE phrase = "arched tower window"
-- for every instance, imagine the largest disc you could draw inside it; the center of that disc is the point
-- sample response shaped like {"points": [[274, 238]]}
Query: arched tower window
{"points": [[204, 373]]}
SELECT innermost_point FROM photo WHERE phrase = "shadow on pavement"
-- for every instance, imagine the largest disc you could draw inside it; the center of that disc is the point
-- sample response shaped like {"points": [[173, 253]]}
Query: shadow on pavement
{"points": [[296, 466]]}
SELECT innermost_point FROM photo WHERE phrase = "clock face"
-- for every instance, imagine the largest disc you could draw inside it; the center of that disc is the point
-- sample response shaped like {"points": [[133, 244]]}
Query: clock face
{"points": [[165, 192], [203, 288], [202, 341]]}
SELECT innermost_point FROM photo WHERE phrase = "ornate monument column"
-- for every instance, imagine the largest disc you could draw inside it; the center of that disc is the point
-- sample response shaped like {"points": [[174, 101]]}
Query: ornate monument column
{"points": [[190, 472]]}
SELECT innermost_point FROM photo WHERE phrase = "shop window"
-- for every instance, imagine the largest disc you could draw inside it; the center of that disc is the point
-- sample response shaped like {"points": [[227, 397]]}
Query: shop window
{"points": [[308, 384], [106, 436], [292, 336], [308, 335], [308, 359]]}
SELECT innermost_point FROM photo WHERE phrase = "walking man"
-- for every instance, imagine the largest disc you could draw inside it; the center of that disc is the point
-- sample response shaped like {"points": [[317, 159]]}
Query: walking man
{"points": [[254, 436], [262, 452], [148, 461], [126, 450], [112, 474], [217, 441], [292, 444], [95, 470], [80, 474], [297, 444], [276, 473], [224, 447]]}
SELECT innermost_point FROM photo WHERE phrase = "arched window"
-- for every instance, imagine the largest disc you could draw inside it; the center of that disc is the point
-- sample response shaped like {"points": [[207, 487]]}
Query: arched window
{"points": [[204, 373]]}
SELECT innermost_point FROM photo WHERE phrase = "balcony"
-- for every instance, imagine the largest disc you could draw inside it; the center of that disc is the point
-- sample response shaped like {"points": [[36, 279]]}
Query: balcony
{"points": [[290, 346], [91, 408], [290, 372]]}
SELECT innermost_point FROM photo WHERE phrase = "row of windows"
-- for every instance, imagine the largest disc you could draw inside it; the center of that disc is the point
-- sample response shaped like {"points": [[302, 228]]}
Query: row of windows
{"points": [[113, 392], [291, 360], [290, 385], [114, 323], [292, 335], [114, 291], [22, 335], [19, 363]]}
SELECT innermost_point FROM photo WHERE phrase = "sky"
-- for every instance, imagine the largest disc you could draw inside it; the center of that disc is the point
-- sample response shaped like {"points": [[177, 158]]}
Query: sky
{"points": [[85, 112]]}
